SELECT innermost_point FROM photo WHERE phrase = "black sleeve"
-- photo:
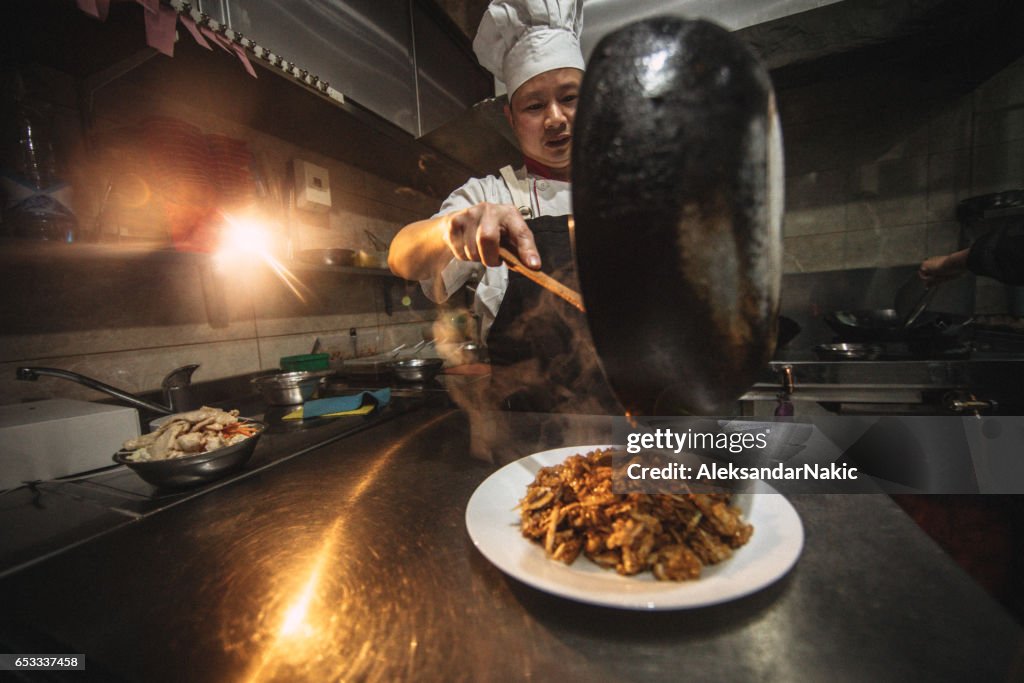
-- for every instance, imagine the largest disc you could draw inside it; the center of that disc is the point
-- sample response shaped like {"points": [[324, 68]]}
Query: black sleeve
{"points": [[999, 254]]}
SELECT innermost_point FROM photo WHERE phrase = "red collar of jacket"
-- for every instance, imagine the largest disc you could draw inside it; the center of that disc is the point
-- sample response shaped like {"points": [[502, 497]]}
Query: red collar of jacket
{"points": [[539, 169]]}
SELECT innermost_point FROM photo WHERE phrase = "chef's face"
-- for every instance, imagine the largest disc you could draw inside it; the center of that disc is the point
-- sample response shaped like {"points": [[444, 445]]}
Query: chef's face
{"points": [[541, 112]]}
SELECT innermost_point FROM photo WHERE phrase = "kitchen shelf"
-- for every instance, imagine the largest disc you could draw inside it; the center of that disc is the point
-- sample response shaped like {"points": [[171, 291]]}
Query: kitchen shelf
{"points": [[350, 270], [28, 250]]}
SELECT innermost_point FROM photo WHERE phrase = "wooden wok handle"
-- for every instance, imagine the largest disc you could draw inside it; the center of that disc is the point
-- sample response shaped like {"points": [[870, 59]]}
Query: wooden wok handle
{"points": [[543, 279]]}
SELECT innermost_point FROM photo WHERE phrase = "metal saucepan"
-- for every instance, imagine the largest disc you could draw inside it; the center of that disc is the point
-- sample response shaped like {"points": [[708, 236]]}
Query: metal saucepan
{"points": [[677, 196]]}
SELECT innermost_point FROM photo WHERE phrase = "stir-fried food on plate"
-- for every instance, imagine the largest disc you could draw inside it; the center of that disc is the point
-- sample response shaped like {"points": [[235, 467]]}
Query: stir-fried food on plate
{"points": [[191, 433], [570, 508]]}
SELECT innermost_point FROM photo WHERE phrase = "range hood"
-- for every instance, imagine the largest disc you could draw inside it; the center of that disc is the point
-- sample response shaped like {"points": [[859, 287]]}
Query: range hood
{"points": [[789, 32], [478, 138], [797, 39], [979, 30], [604, 16]]}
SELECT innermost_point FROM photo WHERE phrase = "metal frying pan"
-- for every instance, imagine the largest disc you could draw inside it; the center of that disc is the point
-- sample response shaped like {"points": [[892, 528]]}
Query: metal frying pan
{"points": [[677, 197], [876, 325], [887, 325]]}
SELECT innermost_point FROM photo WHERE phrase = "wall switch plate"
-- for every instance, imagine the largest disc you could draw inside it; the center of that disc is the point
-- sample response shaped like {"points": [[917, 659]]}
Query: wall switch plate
{"points": [[312, 186]]}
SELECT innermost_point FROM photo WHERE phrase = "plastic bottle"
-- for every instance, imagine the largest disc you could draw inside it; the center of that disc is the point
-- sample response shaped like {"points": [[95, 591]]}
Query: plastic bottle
{"points": [[35, 198]]}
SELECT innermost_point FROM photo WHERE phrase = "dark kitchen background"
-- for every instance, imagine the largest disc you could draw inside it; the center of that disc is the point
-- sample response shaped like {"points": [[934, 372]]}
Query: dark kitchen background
{"points": [[122, 304], [891, 116]]}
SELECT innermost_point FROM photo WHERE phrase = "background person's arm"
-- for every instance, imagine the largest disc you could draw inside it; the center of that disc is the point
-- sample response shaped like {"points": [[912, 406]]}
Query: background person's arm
{"points": [[939, 269]]}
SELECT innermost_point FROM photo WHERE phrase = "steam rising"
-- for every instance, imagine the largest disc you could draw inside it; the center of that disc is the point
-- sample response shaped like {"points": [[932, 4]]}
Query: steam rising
{"points": [[562, 380]]}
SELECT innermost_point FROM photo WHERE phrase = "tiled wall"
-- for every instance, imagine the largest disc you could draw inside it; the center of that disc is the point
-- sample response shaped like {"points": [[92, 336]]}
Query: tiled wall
{"points": [[877, 160], [129, 318]]}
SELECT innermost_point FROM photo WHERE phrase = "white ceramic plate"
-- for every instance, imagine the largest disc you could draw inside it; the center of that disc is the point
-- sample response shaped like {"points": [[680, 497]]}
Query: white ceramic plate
{"points": [[493, 525]]}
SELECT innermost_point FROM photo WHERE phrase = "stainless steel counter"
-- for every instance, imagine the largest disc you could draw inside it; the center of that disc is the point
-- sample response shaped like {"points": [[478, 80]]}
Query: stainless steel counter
{"points": [[351, 562], [902, 381]]}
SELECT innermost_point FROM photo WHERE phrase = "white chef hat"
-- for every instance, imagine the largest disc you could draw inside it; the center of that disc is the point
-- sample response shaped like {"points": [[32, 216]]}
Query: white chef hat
{"points": [[519, 39]]}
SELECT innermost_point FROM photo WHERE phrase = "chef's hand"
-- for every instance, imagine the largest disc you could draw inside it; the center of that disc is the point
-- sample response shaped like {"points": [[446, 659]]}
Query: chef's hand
{"points": [[938, 269], [422, 250], [475, 233]]}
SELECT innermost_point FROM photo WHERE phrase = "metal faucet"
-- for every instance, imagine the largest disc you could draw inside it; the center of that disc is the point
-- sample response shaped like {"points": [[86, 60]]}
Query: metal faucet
{"points": [[176, 386]]}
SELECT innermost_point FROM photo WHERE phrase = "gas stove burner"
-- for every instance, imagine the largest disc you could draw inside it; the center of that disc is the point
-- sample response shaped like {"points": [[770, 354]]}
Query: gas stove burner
{"points": [[894, 351], [999, 334], [926, 350]]}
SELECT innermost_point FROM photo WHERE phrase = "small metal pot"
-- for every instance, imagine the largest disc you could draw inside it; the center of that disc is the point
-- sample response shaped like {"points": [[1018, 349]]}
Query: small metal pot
{"points": [[288, 388], [417, 369]]}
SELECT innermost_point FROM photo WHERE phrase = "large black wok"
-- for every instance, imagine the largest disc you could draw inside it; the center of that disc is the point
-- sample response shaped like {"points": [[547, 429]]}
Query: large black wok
{"points": [[677, 196]]}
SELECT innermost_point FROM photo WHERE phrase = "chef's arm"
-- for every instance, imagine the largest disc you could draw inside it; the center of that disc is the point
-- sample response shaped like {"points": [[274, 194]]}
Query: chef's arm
{"points": [[419, 251], [422, 249], [939, 269]]}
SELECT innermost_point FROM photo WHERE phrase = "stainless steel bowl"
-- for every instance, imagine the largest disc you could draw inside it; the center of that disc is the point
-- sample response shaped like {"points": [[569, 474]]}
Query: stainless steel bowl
{"points": [[417, 369], [192, 470], [288, 388]]}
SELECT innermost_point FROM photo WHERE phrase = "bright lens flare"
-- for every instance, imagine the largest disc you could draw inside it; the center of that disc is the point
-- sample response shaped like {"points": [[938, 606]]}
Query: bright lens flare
{"points": [[295, 623], [312, 631], [305, 627], [246, 239], [243, 238]]}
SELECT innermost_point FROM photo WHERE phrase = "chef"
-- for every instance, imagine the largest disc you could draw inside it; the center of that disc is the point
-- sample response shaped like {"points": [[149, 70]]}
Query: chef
{"points": [[532, 46], [998, 254]]}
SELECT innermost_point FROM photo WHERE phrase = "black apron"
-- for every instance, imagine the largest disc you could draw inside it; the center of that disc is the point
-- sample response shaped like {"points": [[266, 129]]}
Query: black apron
{"points": [[542, 357]]}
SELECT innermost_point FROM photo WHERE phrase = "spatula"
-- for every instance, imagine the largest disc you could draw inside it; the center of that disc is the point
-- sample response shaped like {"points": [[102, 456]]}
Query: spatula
{"points": [[913, 298], [543, 279]]}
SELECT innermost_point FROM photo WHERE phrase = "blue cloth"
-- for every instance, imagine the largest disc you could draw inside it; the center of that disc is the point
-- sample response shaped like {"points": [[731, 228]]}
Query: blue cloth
{"points": [[341, 404]]}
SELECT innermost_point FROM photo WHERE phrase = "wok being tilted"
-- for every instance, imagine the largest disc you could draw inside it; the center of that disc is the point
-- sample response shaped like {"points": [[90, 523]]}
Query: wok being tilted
{"points": [[677, 200]]}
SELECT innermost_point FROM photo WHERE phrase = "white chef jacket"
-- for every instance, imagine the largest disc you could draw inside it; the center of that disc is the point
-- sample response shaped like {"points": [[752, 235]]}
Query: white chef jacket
{"points": [[547, 198]]}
